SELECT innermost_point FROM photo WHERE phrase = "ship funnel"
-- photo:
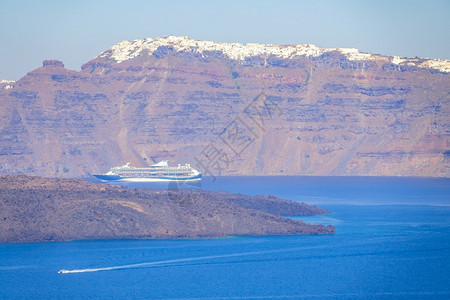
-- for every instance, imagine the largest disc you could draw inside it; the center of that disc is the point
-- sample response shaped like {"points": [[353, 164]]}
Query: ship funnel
{"points": [[163, 163]]}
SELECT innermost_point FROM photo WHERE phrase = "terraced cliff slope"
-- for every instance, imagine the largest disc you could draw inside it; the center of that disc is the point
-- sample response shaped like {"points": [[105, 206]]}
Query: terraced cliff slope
{"points": [[230, 109]]}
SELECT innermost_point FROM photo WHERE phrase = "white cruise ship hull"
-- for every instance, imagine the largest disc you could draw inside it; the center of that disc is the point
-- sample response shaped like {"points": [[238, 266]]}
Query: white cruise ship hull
{"points": [[147, 178], [155, 173]]}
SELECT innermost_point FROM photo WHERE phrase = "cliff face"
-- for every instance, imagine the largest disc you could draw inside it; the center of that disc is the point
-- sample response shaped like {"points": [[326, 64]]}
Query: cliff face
{"points": [[39, 209], [230, 109]]}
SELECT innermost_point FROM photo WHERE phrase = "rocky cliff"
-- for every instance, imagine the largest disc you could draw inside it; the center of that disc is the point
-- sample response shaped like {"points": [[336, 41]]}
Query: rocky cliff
{"points": [[230, 109], [36, 209]]}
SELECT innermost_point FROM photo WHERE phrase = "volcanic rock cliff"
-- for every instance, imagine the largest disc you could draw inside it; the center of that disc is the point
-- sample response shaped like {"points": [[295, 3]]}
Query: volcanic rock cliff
{"points": [[230, 109]]}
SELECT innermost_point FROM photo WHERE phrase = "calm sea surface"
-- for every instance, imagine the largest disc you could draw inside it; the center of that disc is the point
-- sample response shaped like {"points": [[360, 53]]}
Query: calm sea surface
{"points": [[392, 241]]}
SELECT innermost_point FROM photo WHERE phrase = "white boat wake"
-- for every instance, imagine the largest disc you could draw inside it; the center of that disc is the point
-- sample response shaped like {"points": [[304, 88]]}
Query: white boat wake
{"points": [[165, 262]]}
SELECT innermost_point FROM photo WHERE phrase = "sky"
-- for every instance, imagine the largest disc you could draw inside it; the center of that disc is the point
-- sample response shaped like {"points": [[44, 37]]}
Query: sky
{"points": [[76, 31]]}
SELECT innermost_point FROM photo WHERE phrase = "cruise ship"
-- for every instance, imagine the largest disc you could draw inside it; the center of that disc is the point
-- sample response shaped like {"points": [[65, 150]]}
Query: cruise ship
{"points": [[157, 172]]}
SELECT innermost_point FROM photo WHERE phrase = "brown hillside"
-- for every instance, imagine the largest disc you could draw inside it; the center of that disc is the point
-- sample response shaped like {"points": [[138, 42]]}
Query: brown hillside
{"points": [[40, 209]]}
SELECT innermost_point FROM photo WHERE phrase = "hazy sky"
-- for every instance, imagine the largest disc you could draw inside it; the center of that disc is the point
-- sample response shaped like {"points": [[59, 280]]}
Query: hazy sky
{"points": [[76, 31]]}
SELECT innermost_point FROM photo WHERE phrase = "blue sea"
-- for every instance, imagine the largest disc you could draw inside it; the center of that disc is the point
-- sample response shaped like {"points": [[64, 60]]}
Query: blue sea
{"points": [[392, 241]]}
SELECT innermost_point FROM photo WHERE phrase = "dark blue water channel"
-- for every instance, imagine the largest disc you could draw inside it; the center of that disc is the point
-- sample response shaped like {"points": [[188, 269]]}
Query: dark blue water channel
{"points": [[392, 241]]}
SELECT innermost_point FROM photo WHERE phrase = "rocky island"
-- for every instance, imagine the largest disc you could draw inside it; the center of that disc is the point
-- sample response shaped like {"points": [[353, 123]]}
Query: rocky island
{"points": [[36, 209]]}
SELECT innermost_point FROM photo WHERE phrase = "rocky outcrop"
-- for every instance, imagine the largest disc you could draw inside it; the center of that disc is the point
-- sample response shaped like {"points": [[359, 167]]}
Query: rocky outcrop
{"points": [[36, 209], [230, 109]]}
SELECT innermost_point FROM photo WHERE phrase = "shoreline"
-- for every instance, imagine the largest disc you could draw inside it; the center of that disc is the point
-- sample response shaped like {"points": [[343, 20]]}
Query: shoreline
{"points": [[37, 209]]}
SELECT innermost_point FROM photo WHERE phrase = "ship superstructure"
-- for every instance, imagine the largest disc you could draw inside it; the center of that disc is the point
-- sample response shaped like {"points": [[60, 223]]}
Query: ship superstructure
{"points": [[158, 172]]}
